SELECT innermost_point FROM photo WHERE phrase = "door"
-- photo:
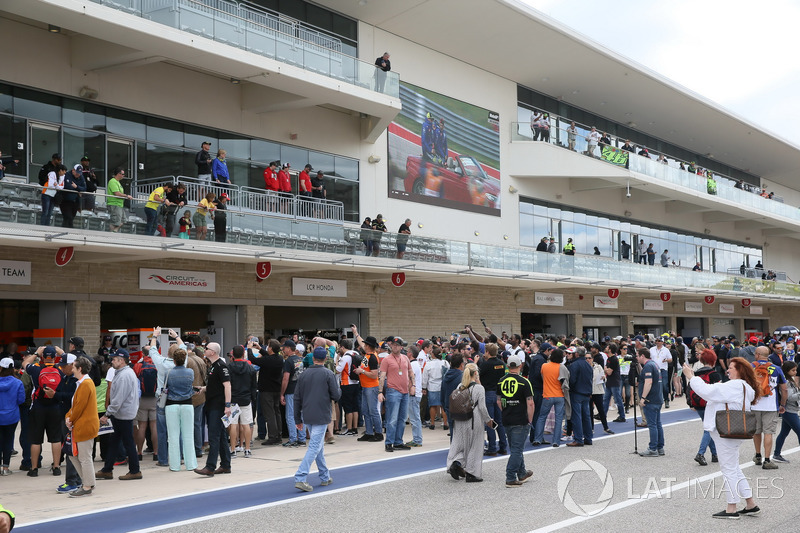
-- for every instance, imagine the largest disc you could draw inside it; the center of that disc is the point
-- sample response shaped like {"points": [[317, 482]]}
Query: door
{"points": [[120, 154], [45, 141]]}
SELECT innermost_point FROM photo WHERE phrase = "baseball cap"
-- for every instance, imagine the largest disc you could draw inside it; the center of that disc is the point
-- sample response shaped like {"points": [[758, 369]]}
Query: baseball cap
{"points": [[49, 351], [301, 348], [638, 338], [371, 341], [78, 167], [121, 352], [514, 361], [85, 158], [56, 156], [753, 339], [225, 195], [395, 340], [6, 362], [68, 359], [77, 341], [289, 343], [571, 349], [545, 346], [107, 338], [320, 353], [309, 167]]}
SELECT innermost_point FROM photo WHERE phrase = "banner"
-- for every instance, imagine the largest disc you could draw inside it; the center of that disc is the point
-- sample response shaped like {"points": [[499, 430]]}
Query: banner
{"points": [[176, 280], [615, 156]]}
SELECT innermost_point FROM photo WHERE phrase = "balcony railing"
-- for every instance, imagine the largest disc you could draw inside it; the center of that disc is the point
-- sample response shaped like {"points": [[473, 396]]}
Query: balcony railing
{"points": [[264, 33], [21, 204], [724, 188]]}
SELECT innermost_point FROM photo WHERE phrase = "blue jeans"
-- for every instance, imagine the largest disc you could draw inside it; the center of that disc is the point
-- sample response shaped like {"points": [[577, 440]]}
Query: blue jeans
{"points": [[370, 410], [653, 415], [547, 404], [47, 209], [163, 439], [416, 421], [664, 384], [515, 468], [199, 422], [791, 421], [396, 410], [706, 441], [497, 415], [151, 221], [180, 430], [314, 452], [218, 446], [617, 392], [294, 434], [537, 408], [582, 427]]}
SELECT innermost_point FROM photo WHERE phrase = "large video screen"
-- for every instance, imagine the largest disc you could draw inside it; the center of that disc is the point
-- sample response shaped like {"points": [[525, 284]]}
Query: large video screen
{"points": [[444, 152]]}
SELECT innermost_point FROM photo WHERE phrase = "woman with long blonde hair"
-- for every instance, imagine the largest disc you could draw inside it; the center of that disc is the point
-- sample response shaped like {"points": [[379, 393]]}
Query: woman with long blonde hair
{"points": [[466, 449]]}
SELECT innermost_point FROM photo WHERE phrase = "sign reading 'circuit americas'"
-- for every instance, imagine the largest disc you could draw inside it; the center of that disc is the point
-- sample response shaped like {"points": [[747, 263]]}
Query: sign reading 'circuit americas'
{"points": [[176, 280]]}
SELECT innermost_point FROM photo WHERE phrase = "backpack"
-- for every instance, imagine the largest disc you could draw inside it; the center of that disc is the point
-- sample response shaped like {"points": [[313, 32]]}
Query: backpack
{"points": [[148, 377], [461, 404], [48, 377], [692, 398], [762, 378], [43, 172], [357, 360]]}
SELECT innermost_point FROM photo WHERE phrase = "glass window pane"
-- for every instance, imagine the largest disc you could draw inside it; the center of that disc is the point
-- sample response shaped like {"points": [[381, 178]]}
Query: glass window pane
{"points": [[194, 137], [13, 131], [346, 168], [239, 171], [297, 157], [164, 132], [33, 104], [84, 115], [265, 152], [320, 161], [344, 191], [526, 231], [125, 124], [235, 145], [6, 98], [78, 143], [163, 161], [525, 207]]}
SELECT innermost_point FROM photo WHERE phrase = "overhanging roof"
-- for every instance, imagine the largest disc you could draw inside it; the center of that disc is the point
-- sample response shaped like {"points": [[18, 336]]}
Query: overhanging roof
{"points": [[519, 43]]}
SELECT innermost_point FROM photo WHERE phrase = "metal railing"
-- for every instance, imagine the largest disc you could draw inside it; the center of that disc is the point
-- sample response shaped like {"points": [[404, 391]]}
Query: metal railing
{"points": [[19, 202], [265, 33]]}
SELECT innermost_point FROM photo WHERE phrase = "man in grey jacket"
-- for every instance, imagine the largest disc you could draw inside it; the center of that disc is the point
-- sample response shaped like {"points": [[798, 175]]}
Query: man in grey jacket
{"points": [[123, 404], [316, 389]]}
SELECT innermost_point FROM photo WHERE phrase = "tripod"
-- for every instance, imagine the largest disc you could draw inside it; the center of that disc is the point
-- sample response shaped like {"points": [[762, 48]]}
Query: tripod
{"points": [[635, 423]]}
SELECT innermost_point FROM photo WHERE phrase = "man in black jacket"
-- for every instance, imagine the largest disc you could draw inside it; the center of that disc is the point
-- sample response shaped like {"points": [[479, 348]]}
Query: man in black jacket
{"points": [[270, 375], [243, 395], [203, 161], [384, 66]]}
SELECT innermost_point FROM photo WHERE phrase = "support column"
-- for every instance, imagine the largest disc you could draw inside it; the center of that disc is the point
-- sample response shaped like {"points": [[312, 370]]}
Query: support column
{"points": [[251, 320], [672, 324], [738, 328], [626, 324], [576, 324], [83, 320]]}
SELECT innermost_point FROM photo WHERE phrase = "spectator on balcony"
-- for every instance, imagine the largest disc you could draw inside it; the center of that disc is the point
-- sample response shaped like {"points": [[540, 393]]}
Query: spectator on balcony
{"points": [[55, 183], [185, 225], [154, 201], [440, 142], [384, 66], [625, 250], [402, 237], [88, 200], [698, 268], [739, 184], [644, 153], [271, 177], [551, 248], [366, 235], [378, 227], [593, 139], [284, 181], [665, 259], [628, 147], [177, 200], [691, 168], [651, 255], [116, 200], [569, 248], [203, 161], [662, 159], [318, 186], [605, 140], [220, 218], [544, 127], [304, 181], [5, 162], [596, 250], [542, 246], [572, 136], [682, 166], [641, 252], [205, 207], [219, 169], [74, 184], [711, 183], [535, 118]]}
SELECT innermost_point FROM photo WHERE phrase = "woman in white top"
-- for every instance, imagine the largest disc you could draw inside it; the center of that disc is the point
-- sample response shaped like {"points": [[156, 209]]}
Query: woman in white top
{"points": [[741, 389], [55, 183], [432, 375]]}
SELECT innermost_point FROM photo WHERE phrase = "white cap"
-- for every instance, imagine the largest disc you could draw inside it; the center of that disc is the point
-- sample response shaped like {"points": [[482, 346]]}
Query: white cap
{"points": [[300, 348], [514, 361], [6, 362], [77, 167]]}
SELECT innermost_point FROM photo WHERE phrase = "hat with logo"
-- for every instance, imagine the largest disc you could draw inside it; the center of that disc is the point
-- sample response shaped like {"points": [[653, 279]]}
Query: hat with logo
{"points": [[6, 362], [301, 348], [121, 352], [320, 353], [78, 167], [85, 158], [545, 346], [68, 359], [225, 195], [395, 340], [49, 351], [289, 343], [514, 361]]}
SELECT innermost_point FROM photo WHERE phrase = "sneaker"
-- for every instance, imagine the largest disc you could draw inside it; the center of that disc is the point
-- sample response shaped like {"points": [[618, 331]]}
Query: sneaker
{"points": [[413, 444], [233, 454], [130, 475], [527, 476], [401, 447], [619, 419], [33, 472], [80, 491], [502, 451], [290, 444], [326, 483], [701, 460], [343, 433], [661, 451], [769, 465], [726, 515], [120, 463], [757, 459], [302, 443], [239, 449], [366, 437], [103, 475], [56, 471], [389, 448], [513, 484], [607, 430], [247, 454], [25, 468], [446, 427], [649, 453], [378, 437], [66, 489], [714, 458], [778, 457], [755, 511], [305, 487]]}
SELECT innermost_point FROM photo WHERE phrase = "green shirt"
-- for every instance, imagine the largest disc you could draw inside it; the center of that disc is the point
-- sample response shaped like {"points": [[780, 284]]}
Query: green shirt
{"points": [[115, 186], [101, 391]]}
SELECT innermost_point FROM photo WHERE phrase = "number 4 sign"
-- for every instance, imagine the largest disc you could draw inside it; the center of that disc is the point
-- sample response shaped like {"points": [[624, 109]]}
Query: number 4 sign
{"points": [[64, 255]]}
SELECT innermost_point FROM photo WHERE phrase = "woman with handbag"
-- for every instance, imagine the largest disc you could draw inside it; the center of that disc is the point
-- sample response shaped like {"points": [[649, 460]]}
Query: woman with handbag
{"points": [[465, 458], [180, 413], [730, 400]]}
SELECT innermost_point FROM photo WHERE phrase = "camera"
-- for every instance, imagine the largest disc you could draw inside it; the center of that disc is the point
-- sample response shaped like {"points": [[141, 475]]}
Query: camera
{"points": [[483, 321], [628, 195]]}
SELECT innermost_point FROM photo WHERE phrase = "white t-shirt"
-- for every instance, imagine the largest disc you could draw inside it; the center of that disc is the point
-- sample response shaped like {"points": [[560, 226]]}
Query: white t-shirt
{"points": [[594, 137], [659, 357], [110, 374], [416, 368]]}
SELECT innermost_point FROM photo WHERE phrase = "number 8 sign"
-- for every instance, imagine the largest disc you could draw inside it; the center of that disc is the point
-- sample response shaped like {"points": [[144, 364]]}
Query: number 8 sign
{"points": [[398, 279]]}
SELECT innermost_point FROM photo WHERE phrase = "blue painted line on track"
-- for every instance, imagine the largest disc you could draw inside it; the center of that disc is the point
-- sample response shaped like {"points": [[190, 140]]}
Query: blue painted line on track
{"points": [[185, 507]]}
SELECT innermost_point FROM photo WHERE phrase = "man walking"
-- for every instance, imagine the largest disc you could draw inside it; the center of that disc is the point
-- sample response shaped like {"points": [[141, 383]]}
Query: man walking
{"points": [[218, 403], [316, 390], [123, 404], [650, 398], [515, 398]]}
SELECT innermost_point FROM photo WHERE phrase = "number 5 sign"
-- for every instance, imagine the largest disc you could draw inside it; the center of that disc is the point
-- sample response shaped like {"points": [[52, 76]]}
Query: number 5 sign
{"points": [[263, 270], [398, 279]]}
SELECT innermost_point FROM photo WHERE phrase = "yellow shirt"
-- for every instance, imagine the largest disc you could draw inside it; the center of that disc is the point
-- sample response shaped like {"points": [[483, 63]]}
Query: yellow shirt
{"points": [[204, 206], [151, 203]]}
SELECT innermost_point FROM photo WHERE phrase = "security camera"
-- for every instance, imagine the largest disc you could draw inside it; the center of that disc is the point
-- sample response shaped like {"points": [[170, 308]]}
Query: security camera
{"points": [[628, 195]]}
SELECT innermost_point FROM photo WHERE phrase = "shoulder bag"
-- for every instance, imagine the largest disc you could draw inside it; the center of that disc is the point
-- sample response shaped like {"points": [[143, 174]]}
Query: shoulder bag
{"points": [[162, 398], [735, 424]]}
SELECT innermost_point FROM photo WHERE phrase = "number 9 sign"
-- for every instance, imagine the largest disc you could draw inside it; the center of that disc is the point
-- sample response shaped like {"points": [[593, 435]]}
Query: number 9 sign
{"points": [[398, 279], [263, 270]]}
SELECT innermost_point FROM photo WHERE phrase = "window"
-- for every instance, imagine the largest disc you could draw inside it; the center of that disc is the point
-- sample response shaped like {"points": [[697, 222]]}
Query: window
{"points": [[78, 143]]}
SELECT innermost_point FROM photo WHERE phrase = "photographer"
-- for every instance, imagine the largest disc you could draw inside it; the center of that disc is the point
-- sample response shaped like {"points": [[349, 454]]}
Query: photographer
{"points": [[270, 376]]}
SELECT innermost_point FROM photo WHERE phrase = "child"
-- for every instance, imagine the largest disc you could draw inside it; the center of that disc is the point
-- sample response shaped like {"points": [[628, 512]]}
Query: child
{"points": [[185, 223]]}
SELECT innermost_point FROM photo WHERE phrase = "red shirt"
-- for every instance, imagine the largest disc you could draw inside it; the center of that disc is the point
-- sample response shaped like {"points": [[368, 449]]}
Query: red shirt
{"points": [[284, 182], [270, 179], [397, 372], [305, 182]]}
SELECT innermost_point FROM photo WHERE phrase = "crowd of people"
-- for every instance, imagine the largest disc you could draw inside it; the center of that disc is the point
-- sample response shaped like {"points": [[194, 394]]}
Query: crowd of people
{"points": [[191, 400], [372, 231]]}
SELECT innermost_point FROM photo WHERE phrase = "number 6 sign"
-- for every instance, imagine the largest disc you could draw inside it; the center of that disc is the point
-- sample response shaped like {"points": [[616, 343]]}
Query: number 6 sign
{"points": [[398, 279], [263, 270]]}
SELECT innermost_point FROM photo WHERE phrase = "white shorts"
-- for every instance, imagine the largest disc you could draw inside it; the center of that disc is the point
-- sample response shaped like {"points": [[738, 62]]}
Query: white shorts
{"points": [[246, 415]]}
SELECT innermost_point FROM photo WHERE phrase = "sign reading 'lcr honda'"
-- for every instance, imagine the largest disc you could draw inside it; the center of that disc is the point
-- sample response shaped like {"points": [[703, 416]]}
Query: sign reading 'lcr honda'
{"points": [[176, 280], [335, 288]]}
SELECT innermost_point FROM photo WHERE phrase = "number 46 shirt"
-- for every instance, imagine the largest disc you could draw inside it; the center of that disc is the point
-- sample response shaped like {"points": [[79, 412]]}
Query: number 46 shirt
{"points": [[513, 392]]}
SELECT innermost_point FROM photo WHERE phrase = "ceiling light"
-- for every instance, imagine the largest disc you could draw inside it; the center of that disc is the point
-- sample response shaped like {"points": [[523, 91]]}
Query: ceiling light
{"points": [[477, 233], [53, 29], [505, 237], [236, 81]]}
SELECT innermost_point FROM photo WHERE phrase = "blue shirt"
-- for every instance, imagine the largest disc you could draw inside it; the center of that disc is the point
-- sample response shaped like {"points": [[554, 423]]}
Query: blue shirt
{"points": [[219, 170], [650, 371]]}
